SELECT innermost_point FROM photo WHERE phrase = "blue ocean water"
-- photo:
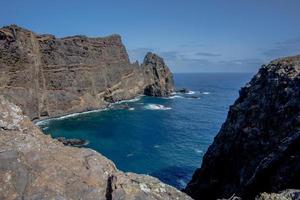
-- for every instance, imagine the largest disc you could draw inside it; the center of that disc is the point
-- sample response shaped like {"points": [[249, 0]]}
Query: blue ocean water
{"points": [[162, 137]]}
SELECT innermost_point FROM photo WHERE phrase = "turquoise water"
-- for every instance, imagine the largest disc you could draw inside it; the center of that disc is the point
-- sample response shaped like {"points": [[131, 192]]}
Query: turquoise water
{"points": [[163, 137]]}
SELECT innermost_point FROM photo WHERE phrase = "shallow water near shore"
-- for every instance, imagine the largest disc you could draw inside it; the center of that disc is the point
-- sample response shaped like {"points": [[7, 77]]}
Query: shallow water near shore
{"points": [[162, 137]]}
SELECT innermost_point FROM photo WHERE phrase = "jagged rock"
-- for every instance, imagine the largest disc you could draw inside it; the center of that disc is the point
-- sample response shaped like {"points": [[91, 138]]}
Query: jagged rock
{"points": [[161, 78], [48, 76], [258, 147], [35, 166], [183, 90], [73, 141], [284, 195]]}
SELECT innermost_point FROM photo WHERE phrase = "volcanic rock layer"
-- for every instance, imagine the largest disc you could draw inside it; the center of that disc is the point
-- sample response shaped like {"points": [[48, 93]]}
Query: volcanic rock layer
{"points": [[48, 76]]}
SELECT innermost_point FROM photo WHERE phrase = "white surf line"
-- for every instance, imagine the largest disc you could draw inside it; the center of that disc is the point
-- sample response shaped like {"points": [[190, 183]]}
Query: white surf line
{"points": [[45, 121]]}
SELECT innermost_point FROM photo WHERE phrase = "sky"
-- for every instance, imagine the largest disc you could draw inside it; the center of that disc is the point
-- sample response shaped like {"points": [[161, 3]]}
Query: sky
{"points": [[191, 35]]}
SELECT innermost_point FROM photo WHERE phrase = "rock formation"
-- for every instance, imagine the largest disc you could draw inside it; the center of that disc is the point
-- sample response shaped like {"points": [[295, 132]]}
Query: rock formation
{"points": [[283, 195], [48, 76], [35, 166], [258, 147]]}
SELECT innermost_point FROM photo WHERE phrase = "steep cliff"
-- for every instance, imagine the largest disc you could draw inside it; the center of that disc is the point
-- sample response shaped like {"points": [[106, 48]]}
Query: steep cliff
{"points": [[35, 166], [48, 76], [258, 147]]}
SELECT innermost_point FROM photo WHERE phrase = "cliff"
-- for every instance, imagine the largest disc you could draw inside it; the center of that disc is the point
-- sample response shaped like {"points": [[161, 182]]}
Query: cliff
{"points": [[48, 76], [35, 166], [258, 147]]}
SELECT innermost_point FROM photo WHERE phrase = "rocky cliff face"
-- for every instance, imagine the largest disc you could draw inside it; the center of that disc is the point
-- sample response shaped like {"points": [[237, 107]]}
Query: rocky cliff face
{"points": [[48, 76], [35, 166], [258, 146]]}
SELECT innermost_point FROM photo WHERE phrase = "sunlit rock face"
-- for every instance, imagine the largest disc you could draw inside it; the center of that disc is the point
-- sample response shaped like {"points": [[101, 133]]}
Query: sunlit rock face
{"points": [[258, 147], [48, 76]]}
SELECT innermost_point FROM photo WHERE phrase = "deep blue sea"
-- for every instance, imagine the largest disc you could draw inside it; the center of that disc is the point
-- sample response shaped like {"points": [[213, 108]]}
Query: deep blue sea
{"points": [[162, 137]]}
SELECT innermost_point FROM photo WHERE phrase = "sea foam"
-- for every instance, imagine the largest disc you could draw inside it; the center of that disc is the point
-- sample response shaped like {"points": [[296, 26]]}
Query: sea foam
{"points": [[156, 107]]}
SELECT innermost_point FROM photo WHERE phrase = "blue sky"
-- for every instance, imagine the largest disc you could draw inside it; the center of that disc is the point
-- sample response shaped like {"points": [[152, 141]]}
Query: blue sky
{"points": [[192, 35]]}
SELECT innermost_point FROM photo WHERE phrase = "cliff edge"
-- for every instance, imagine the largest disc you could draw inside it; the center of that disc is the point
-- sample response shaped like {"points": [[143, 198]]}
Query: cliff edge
{"points": [[258, 147], [48, 76]]}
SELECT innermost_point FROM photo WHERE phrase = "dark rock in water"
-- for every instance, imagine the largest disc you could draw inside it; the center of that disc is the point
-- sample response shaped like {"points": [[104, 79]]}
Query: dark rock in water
{"points": [[258, 147], [73, 142], [48, 76], [183, 90], [192, 97]]}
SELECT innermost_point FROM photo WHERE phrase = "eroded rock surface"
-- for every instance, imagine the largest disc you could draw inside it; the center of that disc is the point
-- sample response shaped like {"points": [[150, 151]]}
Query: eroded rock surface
{"points": [[35, 166], [289, 194], [258, 147], [48, 76]]}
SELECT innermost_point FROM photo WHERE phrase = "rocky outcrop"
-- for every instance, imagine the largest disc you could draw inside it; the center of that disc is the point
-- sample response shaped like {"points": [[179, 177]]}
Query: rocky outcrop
{"points": [[48, 76], [35, 166], [161, 78], [283, 195], [258, 147]]}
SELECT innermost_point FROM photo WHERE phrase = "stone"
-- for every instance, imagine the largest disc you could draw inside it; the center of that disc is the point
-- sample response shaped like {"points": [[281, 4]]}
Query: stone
{"points": [[183, 90], [73, 142], [289, 194], [49, 77], [258, 147]]}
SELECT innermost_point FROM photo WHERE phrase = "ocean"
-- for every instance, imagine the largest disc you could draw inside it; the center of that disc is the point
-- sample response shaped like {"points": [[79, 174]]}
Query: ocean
{"points": [[162, 137]]}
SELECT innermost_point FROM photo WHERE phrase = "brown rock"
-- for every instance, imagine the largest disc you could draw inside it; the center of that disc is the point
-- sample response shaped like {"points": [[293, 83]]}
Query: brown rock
{"points": [[48, 76]]}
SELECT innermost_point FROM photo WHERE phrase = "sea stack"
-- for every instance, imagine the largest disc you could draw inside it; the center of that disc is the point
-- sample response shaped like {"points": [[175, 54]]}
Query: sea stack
{"points": [[48, 76], [258, 147]]}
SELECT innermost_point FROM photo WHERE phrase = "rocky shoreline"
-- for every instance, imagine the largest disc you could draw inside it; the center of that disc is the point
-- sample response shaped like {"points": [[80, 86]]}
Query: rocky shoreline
{"points": [[255, 154], [49, 77]]}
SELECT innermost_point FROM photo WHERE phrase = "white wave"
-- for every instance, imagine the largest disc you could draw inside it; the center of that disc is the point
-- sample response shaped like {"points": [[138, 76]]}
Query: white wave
{"points": [[129, 155], [129, 100], [156, 146], [45, 128], [42, 122], [156, 107], [131, 109], [198, 151], [182, 183], [80, 113], [173, 97], [191, 92], [46, 121], [205, 92]]}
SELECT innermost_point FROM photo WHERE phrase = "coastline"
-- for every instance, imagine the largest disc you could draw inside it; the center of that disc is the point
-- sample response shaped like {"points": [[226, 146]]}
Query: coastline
{"points": [[70, 115]]}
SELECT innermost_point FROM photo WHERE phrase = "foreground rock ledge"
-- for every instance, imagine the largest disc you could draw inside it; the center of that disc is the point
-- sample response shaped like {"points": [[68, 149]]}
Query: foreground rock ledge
{"points": [[34, 166], [258, 147]]}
